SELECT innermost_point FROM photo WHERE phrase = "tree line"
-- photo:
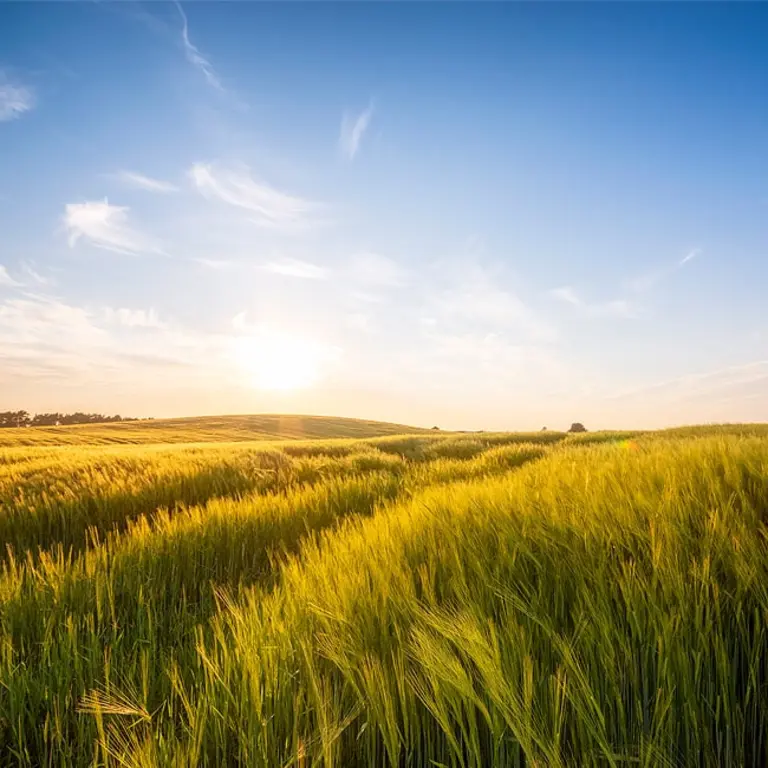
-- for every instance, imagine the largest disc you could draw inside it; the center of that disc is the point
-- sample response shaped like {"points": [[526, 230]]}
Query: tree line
{"points": [[25, 419]]}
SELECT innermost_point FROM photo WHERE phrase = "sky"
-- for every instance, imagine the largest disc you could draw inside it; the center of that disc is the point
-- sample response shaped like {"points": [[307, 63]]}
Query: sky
{"points": [[475, 216]]}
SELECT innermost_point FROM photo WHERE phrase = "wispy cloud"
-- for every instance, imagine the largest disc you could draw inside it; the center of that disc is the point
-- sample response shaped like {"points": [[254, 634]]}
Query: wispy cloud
{"points": [[627, 306], [6, 279], [567, 295], [692, 254], [474, 301], [140, 181], [353, 128], [217, 264], [106, 226], [15, 98], [194, 56], [717, 383], [373, 269], [483, 362], [269, 206], [651, 279], [296, 268], [613, 308], [34, 275], [134, 318], [358, 321], [43, 337], [34, 317]]}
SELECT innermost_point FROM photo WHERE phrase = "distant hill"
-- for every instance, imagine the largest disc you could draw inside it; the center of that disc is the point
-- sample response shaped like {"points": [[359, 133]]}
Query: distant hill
{"points": [[205, 429]]}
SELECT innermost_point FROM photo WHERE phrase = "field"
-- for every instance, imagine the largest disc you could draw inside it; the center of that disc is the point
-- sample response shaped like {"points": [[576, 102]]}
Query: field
{"points": [[211, 592], [204, 429]]}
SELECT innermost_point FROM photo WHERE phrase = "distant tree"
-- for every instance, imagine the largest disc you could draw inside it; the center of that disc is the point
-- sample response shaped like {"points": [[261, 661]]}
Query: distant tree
{"points": [[577, 426], [437, 428], [543, 429], [14, 419], [47, 419], [23, 419]]}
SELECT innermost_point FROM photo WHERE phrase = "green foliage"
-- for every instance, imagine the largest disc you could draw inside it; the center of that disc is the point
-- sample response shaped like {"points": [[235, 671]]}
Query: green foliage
{"points": [[413, 600]]}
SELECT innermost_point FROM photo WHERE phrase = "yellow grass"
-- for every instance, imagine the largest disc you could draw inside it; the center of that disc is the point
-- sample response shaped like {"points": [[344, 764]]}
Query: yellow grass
{"points": [[401, 600], [204, 429]]}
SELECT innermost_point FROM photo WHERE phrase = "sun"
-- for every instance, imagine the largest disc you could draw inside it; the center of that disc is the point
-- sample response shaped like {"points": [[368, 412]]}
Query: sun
{"points": [[280, 362]]}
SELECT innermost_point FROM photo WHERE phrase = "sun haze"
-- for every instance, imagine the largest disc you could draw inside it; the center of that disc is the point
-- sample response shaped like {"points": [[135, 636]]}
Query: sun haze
{"points": [[477, 216]]}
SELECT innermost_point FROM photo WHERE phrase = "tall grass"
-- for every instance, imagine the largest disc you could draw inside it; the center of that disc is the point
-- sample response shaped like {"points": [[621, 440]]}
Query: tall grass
{"points": [[129, 605], [139, 591], [416, 601], [602, 607], [59, 498], [55, 497]]}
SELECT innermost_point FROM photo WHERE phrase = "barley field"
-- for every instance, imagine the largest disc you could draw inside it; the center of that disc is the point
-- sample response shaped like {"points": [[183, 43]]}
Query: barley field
{"points": [[204, 429], [296, 591]]}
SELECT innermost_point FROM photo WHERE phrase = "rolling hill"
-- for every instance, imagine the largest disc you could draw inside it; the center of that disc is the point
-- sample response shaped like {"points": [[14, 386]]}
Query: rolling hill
{"points": [[205, 429]]}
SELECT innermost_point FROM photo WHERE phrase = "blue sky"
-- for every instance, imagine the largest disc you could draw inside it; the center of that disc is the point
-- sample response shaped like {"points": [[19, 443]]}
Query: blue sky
{"points": [[471, 215]]}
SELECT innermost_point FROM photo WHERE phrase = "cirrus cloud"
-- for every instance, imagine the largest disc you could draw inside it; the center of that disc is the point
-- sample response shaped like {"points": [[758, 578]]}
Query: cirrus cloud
{"points": [[15, 98], [353, 128], [612, 308], [268, 205], [6, 279], [106, 226], [296, 268], [140, 181], [194, 57]]}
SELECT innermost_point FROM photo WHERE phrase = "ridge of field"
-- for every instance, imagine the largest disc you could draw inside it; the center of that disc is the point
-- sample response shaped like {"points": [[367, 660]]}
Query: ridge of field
{"points": [[422, 599], [201, 429]]}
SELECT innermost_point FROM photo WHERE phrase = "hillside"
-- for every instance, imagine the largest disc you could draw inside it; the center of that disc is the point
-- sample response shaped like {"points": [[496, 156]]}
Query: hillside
{"points": [[205, 429]]}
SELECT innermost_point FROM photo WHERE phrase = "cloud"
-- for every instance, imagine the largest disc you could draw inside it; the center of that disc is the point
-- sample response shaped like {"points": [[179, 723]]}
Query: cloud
{"points": [[217, 264], [15, 99], [106, 226], [296, 268], [462, 361], [713, 385], [35, 318], [35, 275], [645, 282], [41, 336], [237, 188], [133, 318], [373, 269], [6, 279], [353, 128], [485, 361], [358, 321], [194, 56], [474, 301], [140, 181], [622, 307], [692, 254], [613, 308], [566, 294]]}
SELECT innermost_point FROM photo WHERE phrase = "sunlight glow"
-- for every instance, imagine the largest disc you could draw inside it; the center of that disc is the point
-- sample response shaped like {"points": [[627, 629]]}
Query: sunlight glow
{"points": [[280, 362]]}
